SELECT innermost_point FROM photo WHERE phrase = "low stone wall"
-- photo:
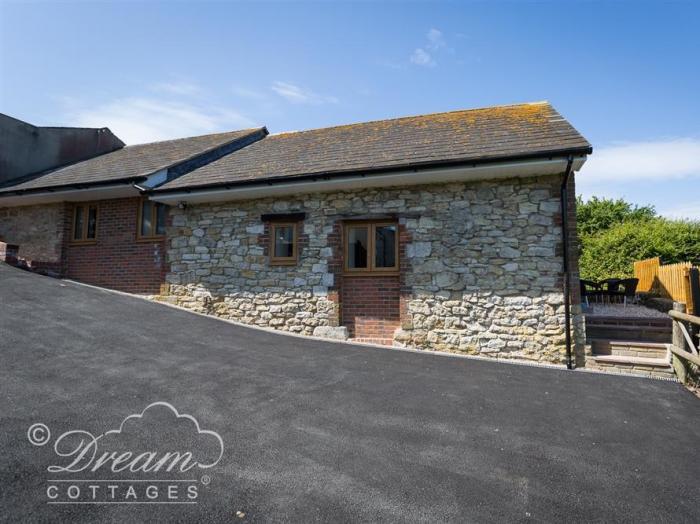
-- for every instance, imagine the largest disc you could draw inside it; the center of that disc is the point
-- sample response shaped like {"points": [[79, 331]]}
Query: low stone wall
{"points": [[488, 324], [481, 274], [38, 231]]}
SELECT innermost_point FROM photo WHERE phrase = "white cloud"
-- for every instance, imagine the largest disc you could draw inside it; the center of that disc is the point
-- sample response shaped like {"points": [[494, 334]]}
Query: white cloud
{"points": [[688, 210], [422, 58], [672, 158], [300, 95], [435, 44], [137, 120], [647, 171], [435, 39]]}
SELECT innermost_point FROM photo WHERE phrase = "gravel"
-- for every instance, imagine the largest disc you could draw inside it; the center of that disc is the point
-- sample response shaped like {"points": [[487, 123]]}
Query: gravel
{"points": [[619, 310]]}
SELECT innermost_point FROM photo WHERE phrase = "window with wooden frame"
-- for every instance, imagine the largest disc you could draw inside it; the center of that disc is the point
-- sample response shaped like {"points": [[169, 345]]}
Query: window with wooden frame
{"points": [[151, 222], [84, 223], [371, 247], [283, 243]]}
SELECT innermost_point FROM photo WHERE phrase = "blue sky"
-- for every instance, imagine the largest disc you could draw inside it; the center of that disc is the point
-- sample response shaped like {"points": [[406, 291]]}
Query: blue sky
{"points": [[624, 73]]}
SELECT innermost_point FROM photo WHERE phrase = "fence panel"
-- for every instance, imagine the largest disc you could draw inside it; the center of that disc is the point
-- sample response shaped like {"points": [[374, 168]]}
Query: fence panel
{"points": [[646, 271], [672, 281]]}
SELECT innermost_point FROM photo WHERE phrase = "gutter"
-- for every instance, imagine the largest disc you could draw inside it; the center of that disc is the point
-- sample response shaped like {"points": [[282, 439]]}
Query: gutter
{"points": [[75, 193], [567, 277], [80, 186]]}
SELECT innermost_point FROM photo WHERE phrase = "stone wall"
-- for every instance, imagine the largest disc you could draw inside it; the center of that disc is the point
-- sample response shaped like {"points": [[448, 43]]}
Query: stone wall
{"points": [[482, 271], [38, 231]]}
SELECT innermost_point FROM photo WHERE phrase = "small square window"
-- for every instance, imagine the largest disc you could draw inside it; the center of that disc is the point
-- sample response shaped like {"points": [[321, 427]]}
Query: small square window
{"points": [[152, 217], [371, 247], [84, 223], [283, 240]]}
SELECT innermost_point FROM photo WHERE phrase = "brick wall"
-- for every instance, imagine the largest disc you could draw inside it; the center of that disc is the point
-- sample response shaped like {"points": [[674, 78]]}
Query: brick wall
{"points": [[370, 307], [117, 260]]}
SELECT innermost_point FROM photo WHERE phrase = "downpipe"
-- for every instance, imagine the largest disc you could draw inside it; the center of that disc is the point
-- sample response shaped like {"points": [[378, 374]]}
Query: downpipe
{"points": [[564, 197]]}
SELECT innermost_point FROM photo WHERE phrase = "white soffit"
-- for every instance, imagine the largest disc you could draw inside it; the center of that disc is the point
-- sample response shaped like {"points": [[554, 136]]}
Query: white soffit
{"points": [[70, 195], [403, 178]]}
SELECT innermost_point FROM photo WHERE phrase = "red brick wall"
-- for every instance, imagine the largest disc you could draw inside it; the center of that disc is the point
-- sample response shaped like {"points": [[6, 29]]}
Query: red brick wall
{"points": [[370, 307], [117, 260]]}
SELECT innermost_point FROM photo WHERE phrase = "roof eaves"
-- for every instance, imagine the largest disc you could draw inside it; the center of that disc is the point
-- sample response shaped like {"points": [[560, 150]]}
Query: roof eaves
{"points": [[585, 150], [68, 187]]}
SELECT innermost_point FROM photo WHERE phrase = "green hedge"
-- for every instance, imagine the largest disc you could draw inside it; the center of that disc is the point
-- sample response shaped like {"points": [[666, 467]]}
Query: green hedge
{"points": [[614, 234]]}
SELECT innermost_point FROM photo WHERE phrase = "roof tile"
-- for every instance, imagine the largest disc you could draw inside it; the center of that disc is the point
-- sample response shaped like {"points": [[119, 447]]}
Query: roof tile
{"points": [[468, 135], [129, 162]]}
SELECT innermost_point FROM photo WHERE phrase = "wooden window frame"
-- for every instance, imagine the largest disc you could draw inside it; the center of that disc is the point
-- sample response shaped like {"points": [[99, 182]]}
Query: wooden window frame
{"points": [[154, 218], [284, 261], [370, 270], [86, 206]]}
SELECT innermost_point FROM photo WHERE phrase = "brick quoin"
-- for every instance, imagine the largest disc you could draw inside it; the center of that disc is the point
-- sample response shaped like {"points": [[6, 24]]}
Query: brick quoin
{"points": [[117, 260]]}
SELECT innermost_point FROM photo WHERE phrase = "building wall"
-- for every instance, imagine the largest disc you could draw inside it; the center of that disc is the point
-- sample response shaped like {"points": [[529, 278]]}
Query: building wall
{"points": [[481, 265], [117, 259], [38, 231], [26, 149]]}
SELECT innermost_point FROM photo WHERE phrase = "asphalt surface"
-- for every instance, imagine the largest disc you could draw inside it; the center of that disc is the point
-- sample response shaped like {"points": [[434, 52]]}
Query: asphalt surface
{"points": [[317, 431]]}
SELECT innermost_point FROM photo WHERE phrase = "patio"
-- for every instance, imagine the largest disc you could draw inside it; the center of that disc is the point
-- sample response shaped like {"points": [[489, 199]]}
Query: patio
{"points": [[628, 338], [621, 311]]}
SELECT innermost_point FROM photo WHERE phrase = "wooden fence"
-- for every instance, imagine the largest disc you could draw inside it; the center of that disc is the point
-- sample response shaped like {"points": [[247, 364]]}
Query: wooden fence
{"points": [[669, 281], [646, 271]]}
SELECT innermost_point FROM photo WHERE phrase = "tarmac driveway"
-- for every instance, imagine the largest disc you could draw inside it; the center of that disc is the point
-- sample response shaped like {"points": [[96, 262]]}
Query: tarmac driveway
{"points": [[318, 431]]}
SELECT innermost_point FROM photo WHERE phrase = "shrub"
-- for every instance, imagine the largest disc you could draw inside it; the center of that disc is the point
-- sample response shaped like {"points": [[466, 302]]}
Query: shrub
{"points": [[611, 252], [598, 214]]}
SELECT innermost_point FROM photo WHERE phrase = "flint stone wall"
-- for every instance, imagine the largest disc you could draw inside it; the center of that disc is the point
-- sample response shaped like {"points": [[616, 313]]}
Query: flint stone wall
{"points": [[484, 271]]}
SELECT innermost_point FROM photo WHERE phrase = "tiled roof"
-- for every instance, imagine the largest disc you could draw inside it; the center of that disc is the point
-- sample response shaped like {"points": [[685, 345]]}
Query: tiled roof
{"points": [[459, 136], [130, 162]]}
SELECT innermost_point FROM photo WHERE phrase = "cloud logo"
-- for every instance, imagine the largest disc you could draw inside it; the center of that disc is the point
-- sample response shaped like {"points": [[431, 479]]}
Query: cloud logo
{"points": [[158, 439], [132, 420]]}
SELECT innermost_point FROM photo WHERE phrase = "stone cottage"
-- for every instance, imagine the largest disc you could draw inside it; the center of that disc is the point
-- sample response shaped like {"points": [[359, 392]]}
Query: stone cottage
{"points": [[452, 231]]}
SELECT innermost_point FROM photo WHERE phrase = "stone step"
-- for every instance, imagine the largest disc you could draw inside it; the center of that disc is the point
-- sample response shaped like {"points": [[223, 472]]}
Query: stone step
{"points": [[630, 348], [652, 329], [648, 367], [642, 333]]}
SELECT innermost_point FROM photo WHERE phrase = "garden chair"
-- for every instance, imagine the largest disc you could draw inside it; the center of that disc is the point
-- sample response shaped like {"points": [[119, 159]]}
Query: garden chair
{"points": [[589, 288], [610, 288], [628, 291], [629, 286]]}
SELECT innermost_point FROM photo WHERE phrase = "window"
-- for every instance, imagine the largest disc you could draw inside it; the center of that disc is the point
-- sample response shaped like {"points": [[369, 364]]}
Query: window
{"points": [[84, 223], [371, 247], [152, 217], [283, 243]]}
